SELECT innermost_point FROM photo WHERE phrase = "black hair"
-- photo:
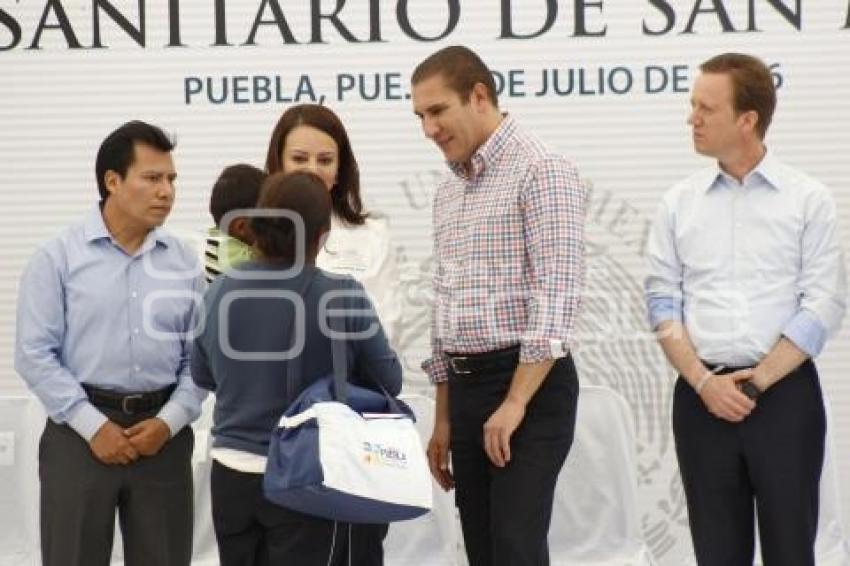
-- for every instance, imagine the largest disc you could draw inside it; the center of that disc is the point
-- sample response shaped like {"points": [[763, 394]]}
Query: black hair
{"points": [[238, 186], [302, 193], [118, 150]]}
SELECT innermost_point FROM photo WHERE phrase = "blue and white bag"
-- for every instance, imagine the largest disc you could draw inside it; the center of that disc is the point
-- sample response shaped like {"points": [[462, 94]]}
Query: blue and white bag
{"points": [[348, 453]]}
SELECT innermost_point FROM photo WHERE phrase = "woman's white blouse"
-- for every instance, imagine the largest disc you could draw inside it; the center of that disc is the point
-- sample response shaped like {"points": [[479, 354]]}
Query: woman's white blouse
{"points": [[366, 253]]}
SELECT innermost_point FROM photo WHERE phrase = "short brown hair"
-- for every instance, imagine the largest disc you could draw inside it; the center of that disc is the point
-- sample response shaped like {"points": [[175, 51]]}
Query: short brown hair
{"points": [[752, 85], [461, 68], [302, 193], [345, 196]]}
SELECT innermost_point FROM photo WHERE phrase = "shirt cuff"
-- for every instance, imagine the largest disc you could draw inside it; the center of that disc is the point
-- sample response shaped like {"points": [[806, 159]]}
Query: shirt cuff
{"points": [[174, 416], [662, 309], [437, 369], [541, 349], [86, 420], [806, 332]]}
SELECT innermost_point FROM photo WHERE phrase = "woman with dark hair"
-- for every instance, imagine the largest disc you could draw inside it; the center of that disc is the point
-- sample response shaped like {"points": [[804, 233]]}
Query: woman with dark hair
{"points": [[310, 137], [259, 319]]}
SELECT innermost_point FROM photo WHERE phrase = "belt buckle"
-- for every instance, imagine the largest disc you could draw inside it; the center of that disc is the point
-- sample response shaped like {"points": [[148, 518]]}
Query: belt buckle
{"points": [[455, 369], [126, 399]]}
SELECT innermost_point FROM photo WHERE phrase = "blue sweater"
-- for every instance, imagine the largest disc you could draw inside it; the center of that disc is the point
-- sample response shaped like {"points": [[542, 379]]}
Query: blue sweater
{"points": [[250, 386]]}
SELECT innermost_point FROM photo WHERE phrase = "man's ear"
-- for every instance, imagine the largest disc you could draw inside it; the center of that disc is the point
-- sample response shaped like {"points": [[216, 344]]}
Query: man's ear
{"points": [[478, 96], [749, 120], [111, 179]]}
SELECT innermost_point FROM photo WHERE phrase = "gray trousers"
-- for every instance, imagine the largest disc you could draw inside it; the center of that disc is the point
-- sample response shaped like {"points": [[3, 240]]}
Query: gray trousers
{"points": [[80, 495]]}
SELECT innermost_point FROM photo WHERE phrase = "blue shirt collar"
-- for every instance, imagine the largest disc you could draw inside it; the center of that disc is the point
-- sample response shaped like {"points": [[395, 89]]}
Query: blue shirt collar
{"points": [[765, 171], [94, 228]]}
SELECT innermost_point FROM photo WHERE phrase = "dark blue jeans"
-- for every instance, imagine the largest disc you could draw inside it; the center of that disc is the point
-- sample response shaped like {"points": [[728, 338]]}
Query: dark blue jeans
{"points": [[770, 463], [505, 512]]}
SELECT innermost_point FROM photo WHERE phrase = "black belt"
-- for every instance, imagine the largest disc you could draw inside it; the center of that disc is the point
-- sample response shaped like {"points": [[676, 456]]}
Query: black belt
{"points": [[129, 403], [747, 387], [497, 360], [721, 369]]}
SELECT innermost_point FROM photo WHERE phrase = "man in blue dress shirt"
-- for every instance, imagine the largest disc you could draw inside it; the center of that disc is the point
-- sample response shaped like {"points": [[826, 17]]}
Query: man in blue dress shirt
{"points": [[746, 282], [105, 316]]}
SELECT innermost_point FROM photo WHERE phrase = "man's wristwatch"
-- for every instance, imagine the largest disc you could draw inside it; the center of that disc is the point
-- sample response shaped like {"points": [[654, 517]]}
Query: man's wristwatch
{"points": [[749, 389]]}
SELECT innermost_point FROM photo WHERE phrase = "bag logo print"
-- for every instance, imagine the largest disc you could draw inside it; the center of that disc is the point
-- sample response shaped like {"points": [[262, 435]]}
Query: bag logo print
{"points": [[379, 454]]}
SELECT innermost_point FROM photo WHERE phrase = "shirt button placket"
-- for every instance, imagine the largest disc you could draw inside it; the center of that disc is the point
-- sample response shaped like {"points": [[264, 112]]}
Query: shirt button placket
{"points": [[134, 316], [737, 256]]}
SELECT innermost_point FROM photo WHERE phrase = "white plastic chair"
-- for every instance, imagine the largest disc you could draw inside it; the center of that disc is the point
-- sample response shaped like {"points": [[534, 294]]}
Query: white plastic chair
{"points": [[430, 540], [595, 517], [21, 424]]}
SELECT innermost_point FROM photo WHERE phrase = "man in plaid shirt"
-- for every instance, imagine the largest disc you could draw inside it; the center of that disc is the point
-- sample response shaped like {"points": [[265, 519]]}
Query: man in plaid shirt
{"points": [[509, 254]]}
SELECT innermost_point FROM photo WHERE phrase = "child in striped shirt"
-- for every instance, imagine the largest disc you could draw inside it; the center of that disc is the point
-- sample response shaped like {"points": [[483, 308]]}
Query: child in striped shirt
{"points": [[238, 187]]}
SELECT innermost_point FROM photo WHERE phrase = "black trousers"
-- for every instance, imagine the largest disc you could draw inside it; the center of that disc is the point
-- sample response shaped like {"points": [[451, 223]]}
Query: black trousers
{"points": [[770, 463], [252, 531], [80, 495], [505, 512]]}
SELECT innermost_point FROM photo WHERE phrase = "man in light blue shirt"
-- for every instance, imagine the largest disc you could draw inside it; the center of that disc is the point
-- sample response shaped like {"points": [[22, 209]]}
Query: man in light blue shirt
{"points": [[746, 282], [105, 316]]}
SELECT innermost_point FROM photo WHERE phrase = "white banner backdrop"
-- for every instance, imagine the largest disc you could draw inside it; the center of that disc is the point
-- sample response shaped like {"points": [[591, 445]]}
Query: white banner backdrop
{"points": [[604, 82]]}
